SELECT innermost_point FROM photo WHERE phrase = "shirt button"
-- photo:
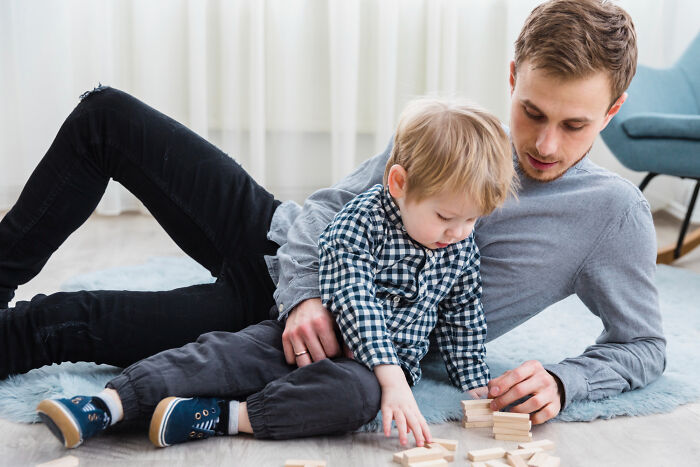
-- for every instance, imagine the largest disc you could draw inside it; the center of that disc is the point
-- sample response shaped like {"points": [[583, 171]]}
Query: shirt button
{"points": [[396, 299], [280, 307]]}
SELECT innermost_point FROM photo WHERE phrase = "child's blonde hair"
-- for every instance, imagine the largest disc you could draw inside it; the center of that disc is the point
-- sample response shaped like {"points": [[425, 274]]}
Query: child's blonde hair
{"points": [[453, 147]]}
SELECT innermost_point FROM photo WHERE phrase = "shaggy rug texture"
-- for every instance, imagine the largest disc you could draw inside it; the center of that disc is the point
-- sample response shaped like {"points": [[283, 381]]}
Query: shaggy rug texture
{"points": [[563, 330]]}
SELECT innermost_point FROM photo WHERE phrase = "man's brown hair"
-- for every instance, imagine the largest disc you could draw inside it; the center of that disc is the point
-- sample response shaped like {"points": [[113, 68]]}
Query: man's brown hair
{"points": [[577, 38], [449, 146]]}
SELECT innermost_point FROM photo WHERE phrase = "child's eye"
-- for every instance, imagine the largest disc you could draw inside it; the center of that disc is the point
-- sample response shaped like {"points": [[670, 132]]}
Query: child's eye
{"points": [[441, 217]]}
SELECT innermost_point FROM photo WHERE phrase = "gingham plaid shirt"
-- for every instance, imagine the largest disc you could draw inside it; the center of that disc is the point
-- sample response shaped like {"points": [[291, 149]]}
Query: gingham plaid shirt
{"points": [[388, 292]]}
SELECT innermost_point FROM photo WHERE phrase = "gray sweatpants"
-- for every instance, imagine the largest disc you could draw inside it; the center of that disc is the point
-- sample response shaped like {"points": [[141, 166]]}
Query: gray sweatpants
{"points": [[284, 401]]}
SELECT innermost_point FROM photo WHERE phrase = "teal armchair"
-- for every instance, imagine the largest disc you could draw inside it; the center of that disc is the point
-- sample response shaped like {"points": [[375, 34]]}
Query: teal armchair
{"points": [[657, 131]]}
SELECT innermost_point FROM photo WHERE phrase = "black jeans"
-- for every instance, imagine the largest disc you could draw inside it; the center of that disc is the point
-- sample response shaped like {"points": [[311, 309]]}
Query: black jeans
{"points": [[325, 397], [204, 200]]}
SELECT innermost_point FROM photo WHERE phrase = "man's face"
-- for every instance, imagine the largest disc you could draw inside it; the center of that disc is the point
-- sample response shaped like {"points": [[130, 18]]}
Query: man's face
{"points": [[553, 121]]}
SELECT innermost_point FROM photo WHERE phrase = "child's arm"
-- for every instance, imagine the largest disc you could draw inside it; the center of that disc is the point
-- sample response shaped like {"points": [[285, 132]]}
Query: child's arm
{"points": [[398, 404], [461, 328]]}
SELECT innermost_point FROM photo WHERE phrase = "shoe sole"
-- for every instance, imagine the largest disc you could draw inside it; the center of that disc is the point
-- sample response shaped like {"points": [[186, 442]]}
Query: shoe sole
{"points": [[61, 423], [156, 431]]}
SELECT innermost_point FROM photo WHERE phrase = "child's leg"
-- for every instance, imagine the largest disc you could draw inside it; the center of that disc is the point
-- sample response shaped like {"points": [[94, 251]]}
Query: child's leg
{"points": [[219, 364]]}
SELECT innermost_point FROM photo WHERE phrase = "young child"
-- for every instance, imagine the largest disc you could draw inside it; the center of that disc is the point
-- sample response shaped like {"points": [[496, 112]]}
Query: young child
{"points": [[398, 262]]}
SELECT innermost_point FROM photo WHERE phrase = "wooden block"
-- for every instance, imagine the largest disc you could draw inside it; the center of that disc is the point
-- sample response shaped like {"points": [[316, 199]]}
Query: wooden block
{"points": [[449, 444], [545, 444], [448, 455], [432, 463], [511, 417], [466, 424], [479, 417], [474, 403], [537, 458], [495, 463], [304, 463], [524, 453], [486, 454], [512, 425], [66, 461], [507, 430], [398, 456], [501, 437], [423, 454], [515, 461], [478, 464], [477, 411]]}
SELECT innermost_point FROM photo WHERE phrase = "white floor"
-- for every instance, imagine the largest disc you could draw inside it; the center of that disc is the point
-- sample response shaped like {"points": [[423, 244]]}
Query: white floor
{"points": [[659, 440]]}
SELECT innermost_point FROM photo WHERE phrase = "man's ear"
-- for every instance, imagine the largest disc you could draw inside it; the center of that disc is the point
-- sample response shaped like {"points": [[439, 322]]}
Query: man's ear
{"points": [[614, 109], [397, 181], [511, 78]]}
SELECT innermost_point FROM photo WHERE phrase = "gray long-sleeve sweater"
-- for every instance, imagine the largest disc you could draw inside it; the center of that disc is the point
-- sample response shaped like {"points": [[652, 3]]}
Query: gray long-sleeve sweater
{"points": [[588, 233]]}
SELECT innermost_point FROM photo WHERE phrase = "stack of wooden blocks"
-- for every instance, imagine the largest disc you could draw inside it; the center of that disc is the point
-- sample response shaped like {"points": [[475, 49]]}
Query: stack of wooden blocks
{"points": [[508, 426], [477, 413], [527, 455]]}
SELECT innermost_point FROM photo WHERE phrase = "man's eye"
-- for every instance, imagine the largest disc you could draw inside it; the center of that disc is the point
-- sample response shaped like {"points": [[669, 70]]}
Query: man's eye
{"points": [[531, 115], [573, 127]]}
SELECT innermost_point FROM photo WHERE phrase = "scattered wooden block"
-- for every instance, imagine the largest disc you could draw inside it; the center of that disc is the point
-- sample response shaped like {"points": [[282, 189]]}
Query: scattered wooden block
{"points": [[537, 459], [449, 444], [507, 430], [485, 417], [524, 453], [515, 461], [478, 464], [478, 410], [466, 424], [66, 461], [448, 455], [501, 437], [423, 454], [495, 463], [545, 444], [304, 463], [486, 454], [398, 456], [432, 463]]}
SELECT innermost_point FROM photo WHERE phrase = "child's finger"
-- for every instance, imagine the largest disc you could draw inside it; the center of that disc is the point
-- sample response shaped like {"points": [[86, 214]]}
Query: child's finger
{"points": [[400, 420], [416, 428], [387, 417], [426, 430]]}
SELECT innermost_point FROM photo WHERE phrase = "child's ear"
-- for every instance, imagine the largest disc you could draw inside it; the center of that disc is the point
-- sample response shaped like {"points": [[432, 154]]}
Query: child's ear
{"points": [[397, 181]]}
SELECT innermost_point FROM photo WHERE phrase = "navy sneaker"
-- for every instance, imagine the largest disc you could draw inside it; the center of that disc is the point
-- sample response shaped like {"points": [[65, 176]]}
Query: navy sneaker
{"points": [[178, 419], [74, 420]]}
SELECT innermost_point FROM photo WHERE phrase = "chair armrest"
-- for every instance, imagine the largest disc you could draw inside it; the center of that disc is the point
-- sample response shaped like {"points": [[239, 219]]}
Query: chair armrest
{"points": [[658, 125]]}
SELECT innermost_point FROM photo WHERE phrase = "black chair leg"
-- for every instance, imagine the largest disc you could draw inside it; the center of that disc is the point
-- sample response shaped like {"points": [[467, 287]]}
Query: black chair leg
{"points": [[646, 180], [686, 221]]}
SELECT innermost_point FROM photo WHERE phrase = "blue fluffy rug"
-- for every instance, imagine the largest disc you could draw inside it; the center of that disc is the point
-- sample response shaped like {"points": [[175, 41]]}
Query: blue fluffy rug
{"points": [[568, 328]]}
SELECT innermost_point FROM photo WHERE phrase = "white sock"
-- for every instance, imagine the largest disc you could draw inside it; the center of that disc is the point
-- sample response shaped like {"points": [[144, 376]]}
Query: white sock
{"points": [[113, 404], [233, 418]]}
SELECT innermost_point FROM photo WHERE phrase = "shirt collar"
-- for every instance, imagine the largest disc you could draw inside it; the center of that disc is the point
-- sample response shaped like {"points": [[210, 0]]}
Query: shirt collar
{"points": [[393, 213]]}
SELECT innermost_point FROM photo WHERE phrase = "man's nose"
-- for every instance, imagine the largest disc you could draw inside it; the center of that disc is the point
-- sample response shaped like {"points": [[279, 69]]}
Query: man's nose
{"points": [[547, 141]]}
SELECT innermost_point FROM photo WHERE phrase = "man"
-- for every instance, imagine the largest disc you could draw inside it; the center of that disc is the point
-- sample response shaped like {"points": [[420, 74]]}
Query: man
{"points": [[576, 228]]}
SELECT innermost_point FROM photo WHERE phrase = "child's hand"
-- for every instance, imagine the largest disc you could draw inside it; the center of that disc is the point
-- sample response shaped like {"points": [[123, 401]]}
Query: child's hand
{"points": [[398, 404], [479, 393]]}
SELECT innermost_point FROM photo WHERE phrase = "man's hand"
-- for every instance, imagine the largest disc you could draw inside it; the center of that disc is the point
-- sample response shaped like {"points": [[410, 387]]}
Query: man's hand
{"points": [[309, 334], [529, 379], [399, 405]]}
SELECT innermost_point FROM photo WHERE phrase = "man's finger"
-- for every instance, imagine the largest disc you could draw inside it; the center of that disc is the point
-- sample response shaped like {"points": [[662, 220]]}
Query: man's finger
{"points": [[314, 347], [329, 342], [547, 412], [514, 393], [288, 350]]}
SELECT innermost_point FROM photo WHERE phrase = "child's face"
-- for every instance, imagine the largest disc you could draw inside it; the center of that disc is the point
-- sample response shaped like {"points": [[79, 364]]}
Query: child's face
{"points": [[438, 221]]}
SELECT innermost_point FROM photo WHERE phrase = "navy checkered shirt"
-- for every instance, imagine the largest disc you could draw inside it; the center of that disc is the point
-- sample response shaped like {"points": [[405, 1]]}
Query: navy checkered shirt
{"points": [[388, 292]]}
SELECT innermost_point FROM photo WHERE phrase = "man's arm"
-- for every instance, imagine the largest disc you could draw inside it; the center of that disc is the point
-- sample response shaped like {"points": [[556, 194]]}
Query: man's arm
{"points": [[309, 325], [616, 284]]}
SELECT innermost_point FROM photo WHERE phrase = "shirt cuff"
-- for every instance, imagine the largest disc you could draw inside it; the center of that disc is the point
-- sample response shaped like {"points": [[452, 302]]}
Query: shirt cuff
{"points": [[299, 289], [574, 384]]}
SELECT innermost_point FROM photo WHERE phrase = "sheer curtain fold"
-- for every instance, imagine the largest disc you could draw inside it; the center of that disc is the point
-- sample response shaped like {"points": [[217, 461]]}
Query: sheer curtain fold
{"points": [[298, 91]]}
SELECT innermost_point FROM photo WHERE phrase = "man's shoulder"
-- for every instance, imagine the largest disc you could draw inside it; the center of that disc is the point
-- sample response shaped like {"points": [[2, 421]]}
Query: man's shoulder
{"points": [[605, 188]]}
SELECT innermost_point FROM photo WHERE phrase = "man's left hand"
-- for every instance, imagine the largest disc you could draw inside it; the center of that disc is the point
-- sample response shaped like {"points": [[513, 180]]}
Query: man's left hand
{"points": [[529, 379]]}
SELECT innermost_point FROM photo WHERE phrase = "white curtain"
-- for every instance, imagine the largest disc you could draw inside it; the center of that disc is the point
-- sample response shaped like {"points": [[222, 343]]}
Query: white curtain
{"points": [[298, 91]]}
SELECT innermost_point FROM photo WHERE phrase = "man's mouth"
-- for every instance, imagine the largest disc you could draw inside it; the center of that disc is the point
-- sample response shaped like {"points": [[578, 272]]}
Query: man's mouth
{"points": [[539, 165]]}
